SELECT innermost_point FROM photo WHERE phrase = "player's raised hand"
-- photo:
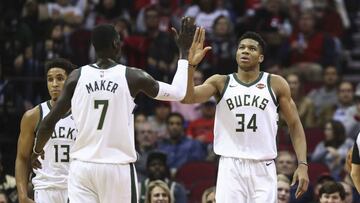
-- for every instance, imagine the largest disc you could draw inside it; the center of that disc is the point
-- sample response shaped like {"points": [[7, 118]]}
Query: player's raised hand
{"points": [[301, 175], [185, 37], [197, 50]]}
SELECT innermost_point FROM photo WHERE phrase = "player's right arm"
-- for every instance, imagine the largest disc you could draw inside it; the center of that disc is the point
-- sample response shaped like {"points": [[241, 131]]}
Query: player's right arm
{"points": [[24, 150]]}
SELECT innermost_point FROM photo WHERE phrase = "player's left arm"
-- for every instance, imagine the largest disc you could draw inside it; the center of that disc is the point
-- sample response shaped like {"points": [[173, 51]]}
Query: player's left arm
{"points": [[61, 107], [297, 135]]}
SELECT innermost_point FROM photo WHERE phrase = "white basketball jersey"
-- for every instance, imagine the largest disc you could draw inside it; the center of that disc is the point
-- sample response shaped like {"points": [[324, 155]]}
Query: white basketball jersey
{"points": [[246, 119], [102, 108], [55, 166]]}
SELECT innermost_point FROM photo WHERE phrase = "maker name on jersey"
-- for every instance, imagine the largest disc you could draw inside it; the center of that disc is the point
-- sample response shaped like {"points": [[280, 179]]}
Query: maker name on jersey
{"points": [[247, 100], [102, 85]]}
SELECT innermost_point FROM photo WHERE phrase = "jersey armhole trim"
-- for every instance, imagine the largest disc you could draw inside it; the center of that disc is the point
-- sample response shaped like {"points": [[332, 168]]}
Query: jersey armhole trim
{"points": [[40, 119], [271, 91], [225, 87]]}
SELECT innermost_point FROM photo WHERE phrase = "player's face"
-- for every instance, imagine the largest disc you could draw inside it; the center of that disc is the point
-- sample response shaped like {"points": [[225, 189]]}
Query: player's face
{"points": [[55, 82], [159, 195], [248, 54], [331, 198], [283, 192]]}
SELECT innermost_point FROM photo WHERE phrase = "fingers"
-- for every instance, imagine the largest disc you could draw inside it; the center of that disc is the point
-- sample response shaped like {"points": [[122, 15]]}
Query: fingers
{"points": [[196, 36], [206, 49], [303, 185], [174, 32], [294, 179], [36, 164], [202, 36]]}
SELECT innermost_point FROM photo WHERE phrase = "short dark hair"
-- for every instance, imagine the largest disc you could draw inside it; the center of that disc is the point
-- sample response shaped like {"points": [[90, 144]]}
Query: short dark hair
{"points": [[103, 36], [60, 63], [176, 114], [332, 187], [254, 36]]}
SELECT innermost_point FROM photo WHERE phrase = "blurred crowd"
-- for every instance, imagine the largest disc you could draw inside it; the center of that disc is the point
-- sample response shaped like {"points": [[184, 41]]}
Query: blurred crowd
{"points": [[306, 42]]}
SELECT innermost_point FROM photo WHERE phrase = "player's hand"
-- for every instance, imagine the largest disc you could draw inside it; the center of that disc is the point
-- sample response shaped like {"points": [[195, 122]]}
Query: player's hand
{"points": [[185, 37], [301, 176], [35, 163], [197, 50]]}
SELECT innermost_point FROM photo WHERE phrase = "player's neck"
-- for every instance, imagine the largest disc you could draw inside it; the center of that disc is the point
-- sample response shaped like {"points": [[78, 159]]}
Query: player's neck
{"points": [[248, 76], [105, 62]]}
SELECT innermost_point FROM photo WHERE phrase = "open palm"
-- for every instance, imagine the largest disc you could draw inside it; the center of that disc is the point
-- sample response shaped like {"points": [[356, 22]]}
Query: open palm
{"points": [[197, 50]]}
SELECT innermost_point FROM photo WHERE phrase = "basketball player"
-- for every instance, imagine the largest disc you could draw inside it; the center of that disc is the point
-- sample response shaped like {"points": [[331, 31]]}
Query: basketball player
{"points": [[246, 124], [50, 181], [101, 96]]}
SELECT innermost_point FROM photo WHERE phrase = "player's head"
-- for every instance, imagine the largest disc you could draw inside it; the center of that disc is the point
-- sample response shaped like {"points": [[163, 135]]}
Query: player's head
{"points": [[331, 192], [106, 41], [158, 191], [57, 71], [250, 52]]}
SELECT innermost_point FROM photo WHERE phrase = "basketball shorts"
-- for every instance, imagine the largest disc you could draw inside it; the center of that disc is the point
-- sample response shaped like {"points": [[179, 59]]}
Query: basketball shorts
{"points": [[246, 181], [51, 195], [99, 182]]}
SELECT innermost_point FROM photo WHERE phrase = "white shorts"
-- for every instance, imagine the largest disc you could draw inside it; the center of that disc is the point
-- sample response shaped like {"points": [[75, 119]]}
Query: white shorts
{"points": [[51, 195], [100, 183], [246, 181]]}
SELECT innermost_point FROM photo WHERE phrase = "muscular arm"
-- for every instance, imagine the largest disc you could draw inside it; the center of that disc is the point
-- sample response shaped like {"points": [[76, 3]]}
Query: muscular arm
{"points": [[140, 81], [24, 149], [61, 106], [202, 93], [297, 135], [355, 166]]}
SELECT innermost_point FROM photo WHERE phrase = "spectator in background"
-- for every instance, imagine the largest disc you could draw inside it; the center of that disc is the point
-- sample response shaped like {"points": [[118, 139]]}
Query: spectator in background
{"points": [[3, 197], [61, 10], [304, 105], [139, 119], [223, 43], [308, 48], [145, 143], [283, 185], [158, 191], [331, 192], [157, 169], [205, 13], [189, 111], [202, 129], [321, 180], [8, 185], [108, 10], [286, 164], [333, 150], [179, 148], [354, 124], [341, 111], [326, 94], [348, 192], [208, 195], [158, 120]]}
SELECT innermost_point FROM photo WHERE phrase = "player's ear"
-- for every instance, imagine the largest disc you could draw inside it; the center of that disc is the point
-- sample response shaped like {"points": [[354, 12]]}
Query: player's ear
{"points": [[261, 58]]}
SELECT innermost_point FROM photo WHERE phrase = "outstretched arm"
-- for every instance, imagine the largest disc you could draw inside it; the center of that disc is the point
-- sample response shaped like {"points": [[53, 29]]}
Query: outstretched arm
{"points": [[297, 135], [24, 149], [61, 106]]}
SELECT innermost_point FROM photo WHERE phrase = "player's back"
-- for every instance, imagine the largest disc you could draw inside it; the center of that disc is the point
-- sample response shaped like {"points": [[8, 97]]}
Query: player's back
{"points": [[102, 108], [55, 165]]}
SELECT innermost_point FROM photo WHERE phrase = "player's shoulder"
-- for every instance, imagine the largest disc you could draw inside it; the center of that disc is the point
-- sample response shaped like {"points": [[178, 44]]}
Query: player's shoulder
{"points": [[32, 112], [219, 79], [31, 116], [278, 84]]}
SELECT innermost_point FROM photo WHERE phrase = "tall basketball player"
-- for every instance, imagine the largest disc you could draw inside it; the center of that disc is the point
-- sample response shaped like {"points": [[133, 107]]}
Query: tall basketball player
{"points": [[101, 96], [50, 181], [246, 124]]}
